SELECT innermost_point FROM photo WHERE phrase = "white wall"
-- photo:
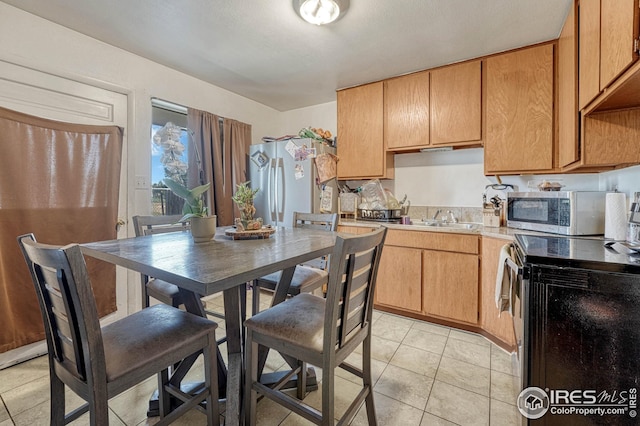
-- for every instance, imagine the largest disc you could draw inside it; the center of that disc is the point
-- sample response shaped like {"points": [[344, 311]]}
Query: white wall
{"points": [[36, 43], [319, 116], [440, 178]]}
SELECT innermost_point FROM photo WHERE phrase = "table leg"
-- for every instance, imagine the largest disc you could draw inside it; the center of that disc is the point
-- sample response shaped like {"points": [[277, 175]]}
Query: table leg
{"points": [[193, 304], [233, 325]]}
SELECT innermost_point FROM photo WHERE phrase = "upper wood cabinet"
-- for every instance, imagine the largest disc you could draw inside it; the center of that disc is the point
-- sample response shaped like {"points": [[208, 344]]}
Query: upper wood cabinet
{"points": [[361, 148], [599, 140], [456, 104], [568, 115], [618, 38], [406, 111], [519, 122], [589, 35], [608, 34], [441, 107], [610, 139]]}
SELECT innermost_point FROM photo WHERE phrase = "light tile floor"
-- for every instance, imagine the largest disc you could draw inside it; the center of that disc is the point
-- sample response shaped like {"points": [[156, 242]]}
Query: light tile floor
{"points": [[424, 374]]}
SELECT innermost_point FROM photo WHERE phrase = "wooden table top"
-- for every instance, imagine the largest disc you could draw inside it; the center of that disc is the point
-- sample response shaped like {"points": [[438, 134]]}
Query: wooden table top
{"points": [[220, 264]]}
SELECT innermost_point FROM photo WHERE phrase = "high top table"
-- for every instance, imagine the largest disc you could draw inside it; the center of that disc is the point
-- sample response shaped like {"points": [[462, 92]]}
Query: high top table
{"points": [[223, 265]]}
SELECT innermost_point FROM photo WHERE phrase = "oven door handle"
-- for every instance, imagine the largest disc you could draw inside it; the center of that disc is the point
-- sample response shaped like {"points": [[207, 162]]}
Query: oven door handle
{"points": [[520, 271], [513, 266]]}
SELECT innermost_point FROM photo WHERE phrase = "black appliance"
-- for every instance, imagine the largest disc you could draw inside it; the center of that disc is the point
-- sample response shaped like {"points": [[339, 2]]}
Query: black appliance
{"points": [[577, 321]]}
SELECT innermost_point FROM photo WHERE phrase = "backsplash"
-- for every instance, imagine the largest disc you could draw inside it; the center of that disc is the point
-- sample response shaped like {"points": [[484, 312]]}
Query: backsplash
{"points": [[463, 214]]}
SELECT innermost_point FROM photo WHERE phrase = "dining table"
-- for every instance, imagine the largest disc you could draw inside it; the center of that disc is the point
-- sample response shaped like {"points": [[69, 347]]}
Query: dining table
{"points": [[222, 265]]}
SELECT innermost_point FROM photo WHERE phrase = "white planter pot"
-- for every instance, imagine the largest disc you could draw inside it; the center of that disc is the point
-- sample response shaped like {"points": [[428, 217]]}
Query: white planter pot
{"points": [[203, 228]]}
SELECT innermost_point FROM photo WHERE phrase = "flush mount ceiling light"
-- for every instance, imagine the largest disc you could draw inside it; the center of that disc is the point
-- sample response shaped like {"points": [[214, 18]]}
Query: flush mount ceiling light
{"points": [[320, 12]]}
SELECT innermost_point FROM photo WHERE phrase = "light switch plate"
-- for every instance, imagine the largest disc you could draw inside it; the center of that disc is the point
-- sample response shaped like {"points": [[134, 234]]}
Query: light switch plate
{"points": [[141, 182]]}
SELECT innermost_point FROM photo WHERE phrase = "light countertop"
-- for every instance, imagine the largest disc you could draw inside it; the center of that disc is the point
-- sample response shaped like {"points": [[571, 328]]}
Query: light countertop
{"points": [[485, 231]]}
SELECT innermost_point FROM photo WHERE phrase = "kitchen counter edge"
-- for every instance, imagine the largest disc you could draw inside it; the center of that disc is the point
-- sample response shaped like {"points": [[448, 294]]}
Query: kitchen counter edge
{"points": [[485, 231]]}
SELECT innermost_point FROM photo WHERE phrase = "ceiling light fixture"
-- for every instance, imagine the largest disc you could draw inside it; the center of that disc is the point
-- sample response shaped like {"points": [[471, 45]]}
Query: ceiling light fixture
{"points": [[320, 12]]}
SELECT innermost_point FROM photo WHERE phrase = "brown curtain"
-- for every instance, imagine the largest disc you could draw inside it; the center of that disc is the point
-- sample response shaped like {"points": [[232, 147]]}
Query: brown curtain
{"points": [[59, 181], [219, 157]]}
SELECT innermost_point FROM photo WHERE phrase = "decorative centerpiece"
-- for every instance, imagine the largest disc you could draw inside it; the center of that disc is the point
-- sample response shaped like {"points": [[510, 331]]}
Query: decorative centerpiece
{"points": [[203, 226], [246, 226], [244, 199]]}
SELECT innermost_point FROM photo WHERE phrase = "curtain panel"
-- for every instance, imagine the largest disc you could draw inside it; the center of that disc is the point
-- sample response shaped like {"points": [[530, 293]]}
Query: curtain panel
{"points": [[219, 156], [59, 181]]}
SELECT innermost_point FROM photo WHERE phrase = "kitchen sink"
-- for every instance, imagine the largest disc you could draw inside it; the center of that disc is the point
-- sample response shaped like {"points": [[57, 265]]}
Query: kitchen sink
{"points": [[450, 225]]}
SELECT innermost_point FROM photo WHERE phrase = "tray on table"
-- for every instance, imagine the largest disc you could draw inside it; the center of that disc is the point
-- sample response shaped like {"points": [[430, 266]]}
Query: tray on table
{"points": [[265, 232]]}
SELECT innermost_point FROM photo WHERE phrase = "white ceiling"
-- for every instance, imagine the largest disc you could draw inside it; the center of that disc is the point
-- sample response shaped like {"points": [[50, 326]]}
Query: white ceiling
{"points": [[263, 50]]}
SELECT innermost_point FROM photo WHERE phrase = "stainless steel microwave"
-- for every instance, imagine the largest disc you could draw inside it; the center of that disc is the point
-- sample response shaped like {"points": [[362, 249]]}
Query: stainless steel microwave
{"points": [[557, 212]]}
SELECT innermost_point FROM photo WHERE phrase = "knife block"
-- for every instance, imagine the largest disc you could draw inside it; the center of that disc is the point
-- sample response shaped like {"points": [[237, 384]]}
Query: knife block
{"points": [[492, 217]]}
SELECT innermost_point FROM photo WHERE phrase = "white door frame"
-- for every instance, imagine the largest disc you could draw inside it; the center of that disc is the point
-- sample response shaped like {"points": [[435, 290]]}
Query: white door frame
{"points": [[55, 97]]}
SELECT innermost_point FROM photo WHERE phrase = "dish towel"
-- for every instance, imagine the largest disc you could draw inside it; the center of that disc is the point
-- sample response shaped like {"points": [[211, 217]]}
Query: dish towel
{"points": [[504, 281]]}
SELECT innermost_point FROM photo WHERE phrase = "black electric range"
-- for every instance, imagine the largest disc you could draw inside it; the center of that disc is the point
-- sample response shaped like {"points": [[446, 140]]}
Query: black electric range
{"points": [[587, 253], [577, 322]]}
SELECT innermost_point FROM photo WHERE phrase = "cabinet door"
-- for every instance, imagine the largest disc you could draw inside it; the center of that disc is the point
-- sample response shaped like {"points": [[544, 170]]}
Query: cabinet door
{"points": [[450, 285], [499, 326], [618, 30], [568, 143], [456, 104], [360, 136], [611, 138], [398, 284], [520, 111], [406, 111], [589, 51]]}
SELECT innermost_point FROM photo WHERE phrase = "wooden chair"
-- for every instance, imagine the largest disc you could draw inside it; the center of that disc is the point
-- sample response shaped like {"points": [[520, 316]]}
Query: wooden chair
{"points": [[163, 291], [307, 276], [100, 363], [322, 332]]}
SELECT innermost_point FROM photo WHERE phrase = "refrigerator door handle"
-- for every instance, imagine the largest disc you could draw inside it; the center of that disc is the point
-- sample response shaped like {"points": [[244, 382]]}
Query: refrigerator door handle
{"points": [[280, 185], [271, 190]]}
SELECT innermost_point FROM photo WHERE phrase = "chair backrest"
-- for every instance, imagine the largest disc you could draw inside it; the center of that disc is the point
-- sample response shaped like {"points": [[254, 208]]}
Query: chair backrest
{"points": [[322, 221], [147, 225], [68, 307], [352, 280]]}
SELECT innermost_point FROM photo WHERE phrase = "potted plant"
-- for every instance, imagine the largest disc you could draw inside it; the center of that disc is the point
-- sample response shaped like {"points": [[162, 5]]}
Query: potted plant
{"points": [[244, 199], [203, 226]]}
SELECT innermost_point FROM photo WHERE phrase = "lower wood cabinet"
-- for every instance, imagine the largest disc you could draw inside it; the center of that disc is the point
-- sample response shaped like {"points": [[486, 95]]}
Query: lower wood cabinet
{"points": [[399, 283], [432, 274], [442, 277], [450, 283], [491, 321]]}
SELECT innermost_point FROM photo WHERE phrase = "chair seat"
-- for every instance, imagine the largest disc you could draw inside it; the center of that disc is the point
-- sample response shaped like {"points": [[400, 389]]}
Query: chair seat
{"points": [[298, 321], [127, 352], [305, 280], [165, 292]]}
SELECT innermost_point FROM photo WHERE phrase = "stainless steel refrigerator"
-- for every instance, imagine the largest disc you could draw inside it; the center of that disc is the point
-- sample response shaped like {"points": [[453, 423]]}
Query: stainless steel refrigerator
{"points": [[286, 175]]}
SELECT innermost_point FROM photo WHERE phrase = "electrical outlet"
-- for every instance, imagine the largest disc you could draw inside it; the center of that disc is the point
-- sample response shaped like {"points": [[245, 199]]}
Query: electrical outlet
{"points": [[142, 182]]}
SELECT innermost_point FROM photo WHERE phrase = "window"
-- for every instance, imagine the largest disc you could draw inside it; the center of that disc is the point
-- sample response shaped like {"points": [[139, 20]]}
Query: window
{"points": [[165, 161]]}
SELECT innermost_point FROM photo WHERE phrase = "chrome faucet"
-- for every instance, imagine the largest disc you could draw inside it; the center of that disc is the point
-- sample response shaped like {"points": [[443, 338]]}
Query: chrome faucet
{"points": [[449, 218]]}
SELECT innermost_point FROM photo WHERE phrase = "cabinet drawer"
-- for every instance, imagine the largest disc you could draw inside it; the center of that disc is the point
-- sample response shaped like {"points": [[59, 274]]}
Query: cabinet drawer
{"points": [[445, 241], [355, 229]]}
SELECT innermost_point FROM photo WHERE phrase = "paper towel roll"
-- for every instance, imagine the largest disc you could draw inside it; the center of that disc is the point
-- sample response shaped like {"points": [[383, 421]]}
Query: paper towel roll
{"points": [[615, 216]]}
